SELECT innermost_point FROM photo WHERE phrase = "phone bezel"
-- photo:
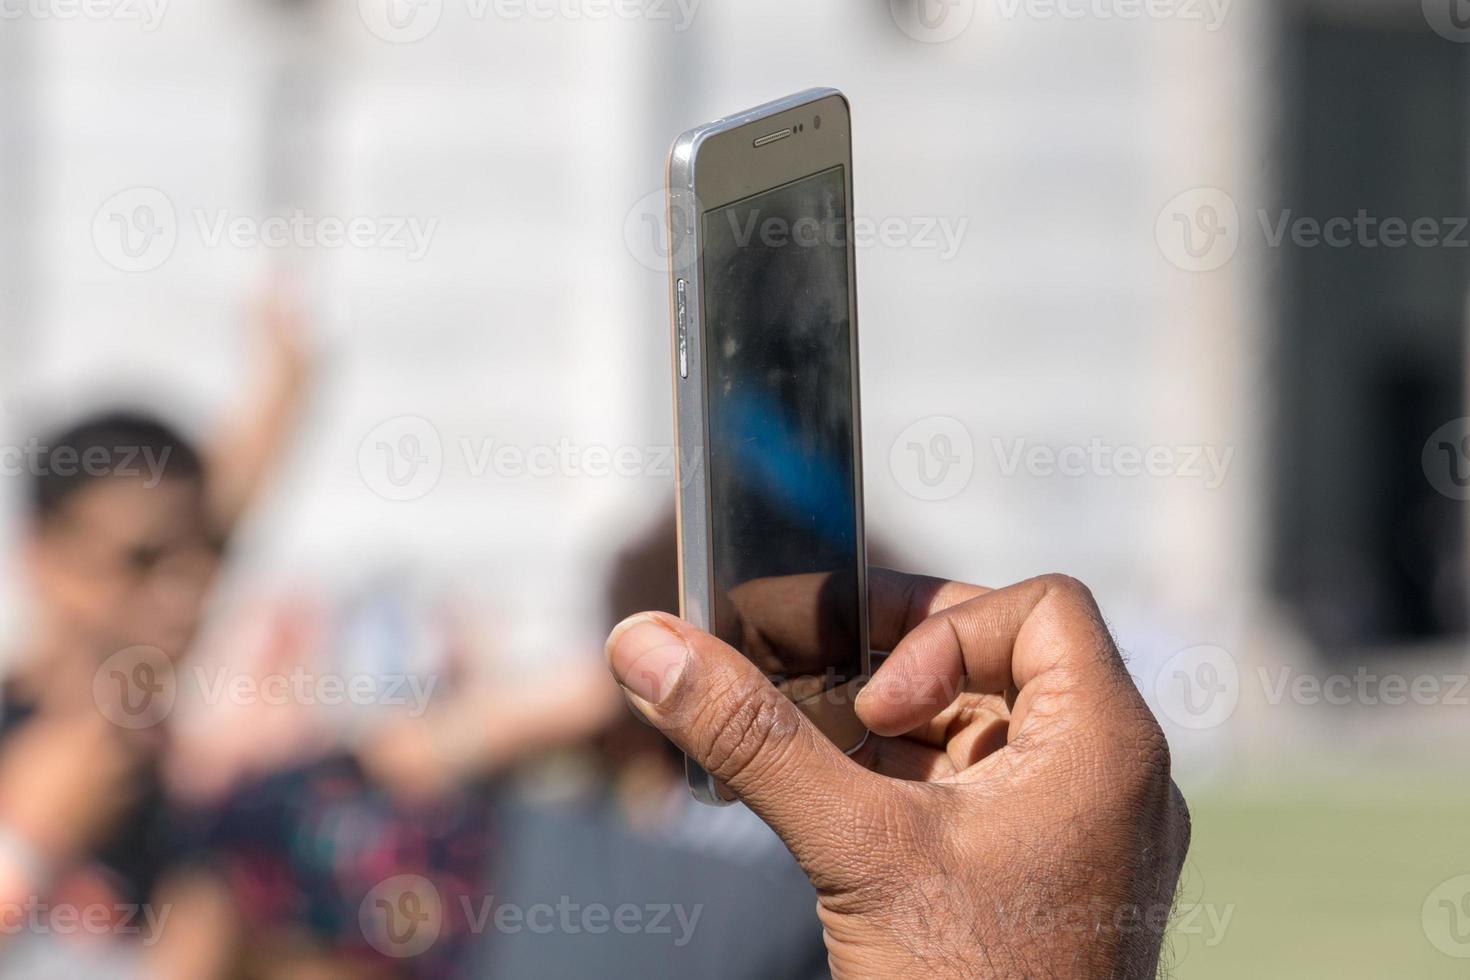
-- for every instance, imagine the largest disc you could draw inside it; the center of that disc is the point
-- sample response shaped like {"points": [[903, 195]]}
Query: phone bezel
{"points": [[710, 167]]}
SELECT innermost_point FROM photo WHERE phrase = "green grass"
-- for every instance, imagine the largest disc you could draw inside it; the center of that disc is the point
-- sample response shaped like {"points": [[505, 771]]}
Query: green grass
{"points": [[1325, 881]]}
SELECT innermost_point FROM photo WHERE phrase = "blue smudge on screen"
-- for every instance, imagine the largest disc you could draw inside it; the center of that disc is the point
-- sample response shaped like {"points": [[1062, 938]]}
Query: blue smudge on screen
{"points": [[769, 454]]}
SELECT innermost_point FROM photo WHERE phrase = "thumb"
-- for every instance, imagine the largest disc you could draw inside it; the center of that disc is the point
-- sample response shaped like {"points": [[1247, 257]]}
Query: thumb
{"points": [[718, 707]]}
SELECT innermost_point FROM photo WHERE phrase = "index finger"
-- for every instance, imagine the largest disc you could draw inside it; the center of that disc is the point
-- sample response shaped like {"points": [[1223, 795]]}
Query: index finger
{"points": [[1043, 638], [898, 602]]}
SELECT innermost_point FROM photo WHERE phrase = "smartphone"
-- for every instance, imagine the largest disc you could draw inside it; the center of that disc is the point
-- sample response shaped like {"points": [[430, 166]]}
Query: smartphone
{"points": [[772, 556]]}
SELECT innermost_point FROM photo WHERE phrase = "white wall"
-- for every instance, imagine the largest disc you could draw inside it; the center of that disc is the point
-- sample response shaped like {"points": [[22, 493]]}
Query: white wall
{"points": [[1054, 144]]}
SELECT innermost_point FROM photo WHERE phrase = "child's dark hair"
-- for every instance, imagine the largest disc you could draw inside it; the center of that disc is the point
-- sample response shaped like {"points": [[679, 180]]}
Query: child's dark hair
{"points": [[108, 444]]}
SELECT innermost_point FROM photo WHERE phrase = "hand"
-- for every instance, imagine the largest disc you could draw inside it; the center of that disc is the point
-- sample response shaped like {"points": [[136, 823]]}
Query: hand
{"points": [[285, 331], [66, 781], [1019, 818]]}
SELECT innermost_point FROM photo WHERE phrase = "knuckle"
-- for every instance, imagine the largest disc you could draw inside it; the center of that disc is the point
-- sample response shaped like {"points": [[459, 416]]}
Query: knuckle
{"points": [[1145, 763], [746, 732], [1066, 587], [1074, 608], [1182, 819], [1151, 749]]}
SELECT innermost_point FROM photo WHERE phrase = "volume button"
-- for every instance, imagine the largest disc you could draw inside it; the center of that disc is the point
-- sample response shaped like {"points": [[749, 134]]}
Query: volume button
{"points": [[682, 316]]}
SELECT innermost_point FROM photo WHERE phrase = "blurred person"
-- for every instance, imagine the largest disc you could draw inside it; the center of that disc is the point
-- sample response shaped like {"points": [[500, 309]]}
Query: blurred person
{"points": [[305, 814], [126, 523]]}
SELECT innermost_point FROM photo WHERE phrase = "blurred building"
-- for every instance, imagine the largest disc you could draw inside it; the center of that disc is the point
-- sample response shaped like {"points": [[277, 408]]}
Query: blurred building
{"points": [[1070, 278]]}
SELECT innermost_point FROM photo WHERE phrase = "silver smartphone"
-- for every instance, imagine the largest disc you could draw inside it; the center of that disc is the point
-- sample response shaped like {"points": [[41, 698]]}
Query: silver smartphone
{"points": [[772, 555]]}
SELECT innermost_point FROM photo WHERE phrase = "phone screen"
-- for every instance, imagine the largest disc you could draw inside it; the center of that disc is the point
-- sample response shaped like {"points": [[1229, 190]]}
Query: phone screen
{"points": [[785, 531]]}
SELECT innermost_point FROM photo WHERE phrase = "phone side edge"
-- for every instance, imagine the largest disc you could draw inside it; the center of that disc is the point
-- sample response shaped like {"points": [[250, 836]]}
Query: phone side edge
{"points": [[691, 492]]}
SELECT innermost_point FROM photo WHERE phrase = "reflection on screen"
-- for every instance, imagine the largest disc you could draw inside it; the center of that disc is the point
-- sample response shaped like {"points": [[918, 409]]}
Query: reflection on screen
{"points": [[778, 369]]}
